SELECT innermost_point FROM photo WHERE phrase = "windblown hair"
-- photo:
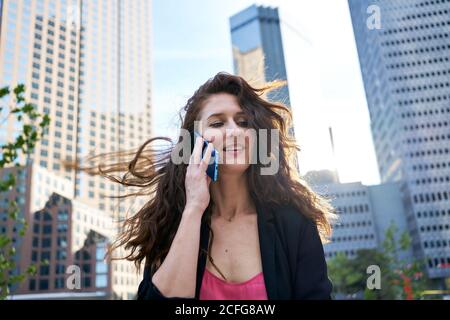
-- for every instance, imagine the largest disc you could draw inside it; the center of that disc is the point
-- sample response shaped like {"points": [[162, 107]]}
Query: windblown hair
{"points": [[148, 234]]}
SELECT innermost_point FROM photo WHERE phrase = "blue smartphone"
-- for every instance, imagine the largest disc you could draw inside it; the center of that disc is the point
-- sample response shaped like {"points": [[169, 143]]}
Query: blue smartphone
{"points": [[213, 168]]}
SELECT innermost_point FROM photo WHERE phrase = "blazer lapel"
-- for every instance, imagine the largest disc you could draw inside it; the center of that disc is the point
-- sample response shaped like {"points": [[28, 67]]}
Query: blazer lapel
{"points": [[266, 231], [267, 237], [201, 264]]}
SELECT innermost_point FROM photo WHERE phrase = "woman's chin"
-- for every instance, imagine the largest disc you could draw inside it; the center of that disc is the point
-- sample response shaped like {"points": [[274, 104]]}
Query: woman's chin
{"points": [[232, 168]]}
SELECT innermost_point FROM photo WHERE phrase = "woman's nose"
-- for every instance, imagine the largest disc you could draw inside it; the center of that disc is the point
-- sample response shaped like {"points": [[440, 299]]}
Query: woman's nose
{"points": [[232, 130]]}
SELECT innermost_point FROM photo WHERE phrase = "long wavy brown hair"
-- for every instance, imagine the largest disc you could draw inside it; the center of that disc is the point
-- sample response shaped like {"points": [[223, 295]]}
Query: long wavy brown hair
{"points": [[148, 234]]}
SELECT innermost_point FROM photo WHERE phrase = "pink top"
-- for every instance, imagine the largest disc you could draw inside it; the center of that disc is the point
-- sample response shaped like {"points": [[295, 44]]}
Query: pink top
{"points": [[215, 288]]}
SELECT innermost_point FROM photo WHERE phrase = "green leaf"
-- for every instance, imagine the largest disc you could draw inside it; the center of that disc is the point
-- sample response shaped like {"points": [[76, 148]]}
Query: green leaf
{"points": [[4, 241], [4, 91], [31, 270], [28, 108], [12, 251]]}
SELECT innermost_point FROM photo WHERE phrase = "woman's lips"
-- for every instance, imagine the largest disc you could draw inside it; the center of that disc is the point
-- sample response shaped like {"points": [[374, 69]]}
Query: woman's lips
{"points": [[233, 152], [233, 148]]}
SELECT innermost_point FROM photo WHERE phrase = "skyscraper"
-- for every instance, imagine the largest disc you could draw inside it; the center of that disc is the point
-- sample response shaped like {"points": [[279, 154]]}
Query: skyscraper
{"points": [[258, 54], [86, 63], [404, 53], [258, 48]]}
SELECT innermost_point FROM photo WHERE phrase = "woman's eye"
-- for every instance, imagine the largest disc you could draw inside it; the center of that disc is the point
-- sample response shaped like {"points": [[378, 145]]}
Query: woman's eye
{"points": [[215, 124], [243, 123]]}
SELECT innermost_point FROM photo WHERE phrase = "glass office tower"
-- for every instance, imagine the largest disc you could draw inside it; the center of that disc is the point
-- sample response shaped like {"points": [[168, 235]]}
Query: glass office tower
{"points": [[87, 64], [258, 48], [405, 65]]}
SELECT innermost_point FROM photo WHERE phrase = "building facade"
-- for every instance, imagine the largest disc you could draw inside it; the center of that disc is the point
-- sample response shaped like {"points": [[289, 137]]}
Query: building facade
{"points": [[405, 65], [257, 46], [87, 65], [364, 214]]}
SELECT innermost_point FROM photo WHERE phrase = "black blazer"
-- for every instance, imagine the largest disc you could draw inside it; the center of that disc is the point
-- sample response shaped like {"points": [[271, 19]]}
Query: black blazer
{"points": [[292, 257]]}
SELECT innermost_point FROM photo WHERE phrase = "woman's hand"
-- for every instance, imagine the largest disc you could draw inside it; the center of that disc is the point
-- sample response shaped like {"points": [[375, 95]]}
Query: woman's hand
{"points": [[197, 181]]}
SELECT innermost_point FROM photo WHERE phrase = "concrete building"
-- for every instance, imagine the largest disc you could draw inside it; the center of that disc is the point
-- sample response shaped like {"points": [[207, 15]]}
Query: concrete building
{"points": [[87, 65], [364, 214], [405, 66], [69, 234]]}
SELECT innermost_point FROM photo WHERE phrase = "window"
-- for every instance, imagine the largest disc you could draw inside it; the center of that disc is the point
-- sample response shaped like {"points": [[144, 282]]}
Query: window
{"points": [[34, 256], [62, 215], [44, 270], [62, 227], [59, 283], [87, 268], [62, 242], [46, 242], [61, 255], [60, 269], [43, 284], [45, 255], [47, 229], [101, 281]]}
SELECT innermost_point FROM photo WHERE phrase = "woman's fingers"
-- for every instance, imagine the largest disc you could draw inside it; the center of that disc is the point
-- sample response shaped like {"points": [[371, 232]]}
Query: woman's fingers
{"points": [[196, 156]]}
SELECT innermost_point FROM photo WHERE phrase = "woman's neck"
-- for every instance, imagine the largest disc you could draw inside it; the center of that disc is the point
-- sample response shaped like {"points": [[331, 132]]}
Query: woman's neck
{"points": [[231, 197]]}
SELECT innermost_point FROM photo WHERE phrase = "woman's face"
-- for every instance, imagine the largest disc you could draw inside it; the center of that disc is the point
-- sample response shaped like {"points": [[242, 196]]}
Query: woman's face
{"points": [[225, 125]]}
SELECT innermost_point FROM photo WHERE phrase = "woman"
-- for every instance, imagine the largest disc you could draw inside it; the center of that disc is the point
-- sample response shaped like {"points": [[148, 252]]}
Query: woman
{"points": [[246, 235]]}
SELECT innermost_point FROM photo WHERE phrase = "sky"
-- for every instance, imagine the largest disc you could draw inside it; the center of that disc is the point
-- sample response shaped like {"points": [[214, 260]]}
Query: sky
{"points": [[192, 42]]}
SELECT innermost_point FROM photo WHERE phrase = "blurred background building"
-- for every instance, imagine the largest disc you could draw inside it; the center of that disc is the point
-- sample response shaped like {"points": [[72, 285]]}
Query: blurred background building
{"points": [[364, 214], [405, 66], [258, 54], [87, 64], [257, 46]]}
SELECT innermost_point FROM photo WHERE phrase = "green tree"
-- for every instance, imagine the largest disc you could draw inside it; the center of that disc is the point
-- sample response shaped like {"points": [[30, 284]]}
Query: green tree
{"points": [[345, 280], [399, 279], [33, 126]]}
